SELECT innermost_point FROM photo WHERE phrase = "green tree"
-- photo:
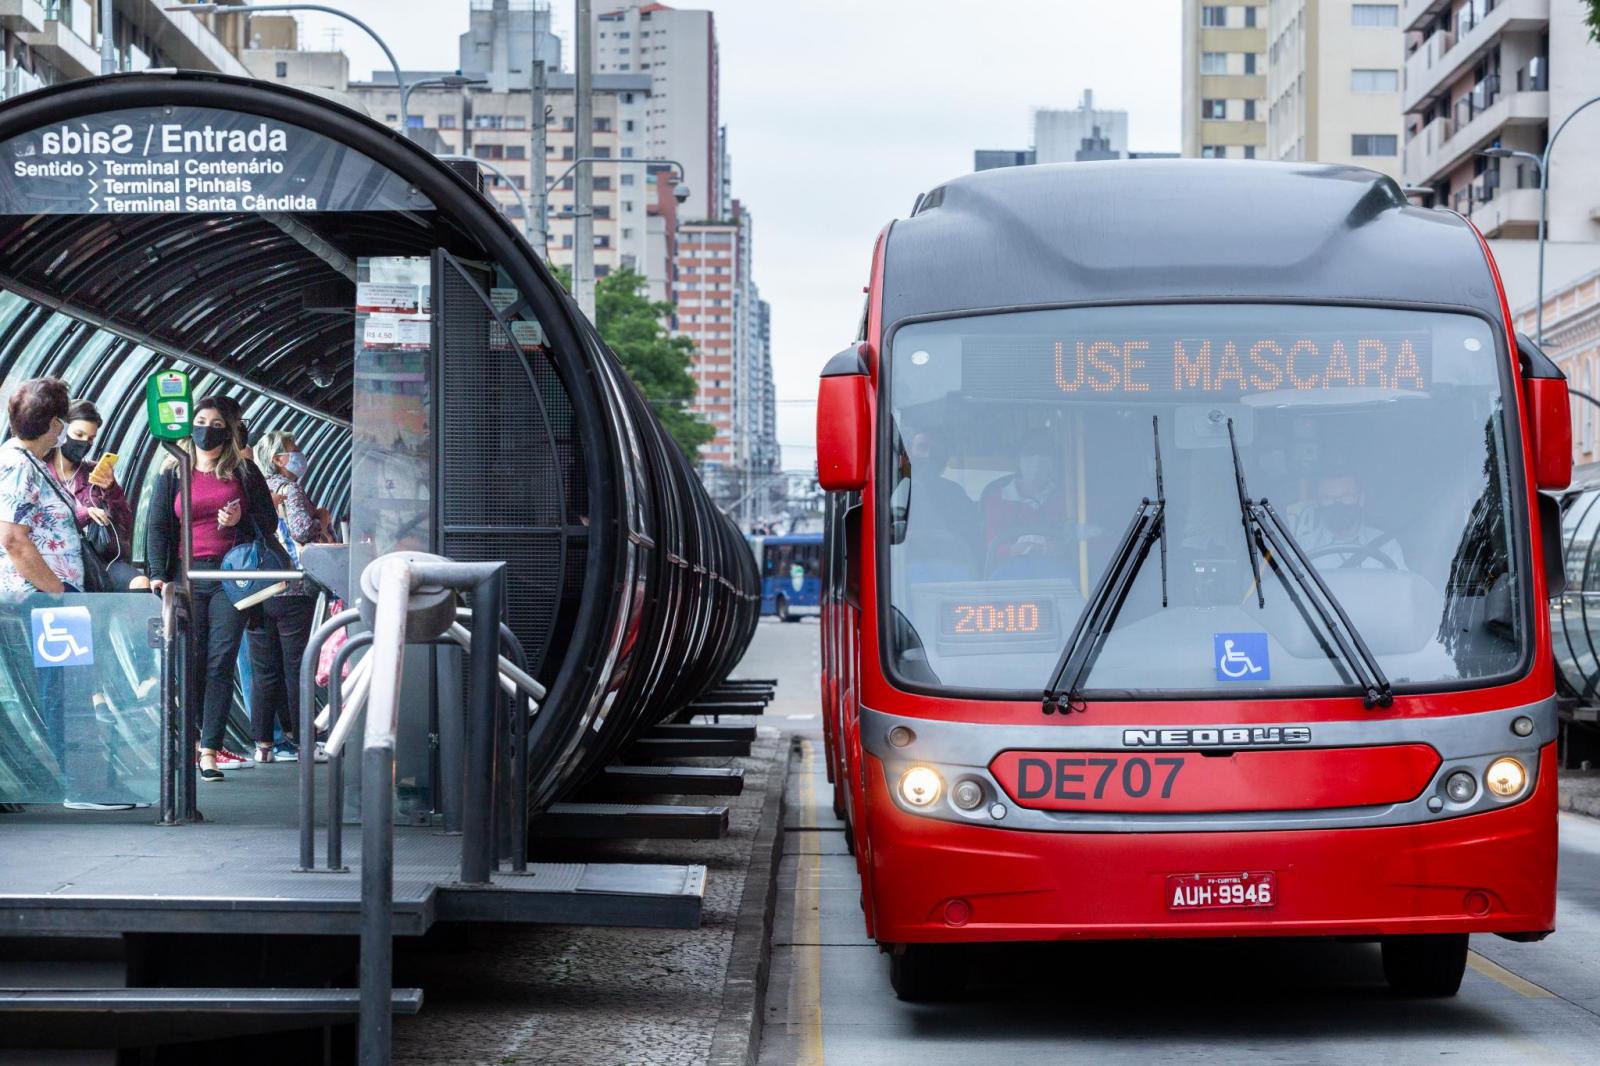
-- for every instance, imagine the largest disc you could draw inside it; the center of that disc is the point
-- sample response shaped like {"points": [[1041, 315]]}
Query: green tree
{"points": [[631, 324], [1593, 19]]}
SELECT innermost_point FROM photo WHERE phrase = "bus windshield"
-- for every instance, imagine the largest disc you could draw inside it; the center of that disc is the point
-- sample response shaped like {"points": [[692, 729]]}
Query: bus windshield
{"points": [[1021, 448]]}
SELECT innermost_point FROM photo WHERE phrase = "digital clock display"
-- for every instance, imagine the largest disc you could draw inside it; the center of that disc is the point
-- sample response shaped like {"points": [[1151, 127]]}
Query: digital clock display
{"points": [[976, 619]]}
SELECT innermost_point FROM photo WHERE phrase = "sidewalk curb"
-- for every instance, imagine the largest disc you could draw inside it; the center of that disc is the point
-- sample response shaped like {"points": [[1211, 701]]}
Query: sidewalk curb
{"points": [[736, 1041], [1579, 803]]}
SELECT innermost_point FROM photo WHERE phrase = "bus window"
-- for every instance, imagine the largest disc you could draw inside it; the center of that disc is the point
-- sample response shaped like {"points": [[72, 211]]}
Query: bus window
{"points": [[1027, 446]]}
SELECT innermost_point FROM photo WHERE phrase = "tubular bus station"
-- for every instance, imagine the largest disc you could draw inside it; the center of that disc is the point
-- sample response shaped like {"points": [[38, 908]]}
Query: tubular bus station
{"points": [[533, 574], [1187, 573]]}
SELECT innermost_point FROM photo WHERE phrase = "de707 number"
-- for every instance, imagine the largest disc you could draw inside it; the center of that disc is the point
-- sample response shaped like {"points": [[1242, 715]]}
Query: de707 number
{"points": [[1089, 777]]}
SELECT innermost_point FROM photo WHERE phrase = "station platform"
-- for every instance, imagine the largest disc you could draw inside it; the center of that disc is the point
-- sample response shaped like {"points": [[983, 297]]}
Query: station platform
{"points": [[86, 872]]}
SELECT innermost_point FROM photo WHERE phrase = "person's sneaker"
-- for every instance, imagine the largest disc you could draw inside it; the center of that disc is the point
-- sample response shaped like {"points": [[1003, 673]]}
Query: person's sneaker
{"points": [[319, 753], [265, 754], [227, 760], [210, 775], [285, 751], [85, 805]]}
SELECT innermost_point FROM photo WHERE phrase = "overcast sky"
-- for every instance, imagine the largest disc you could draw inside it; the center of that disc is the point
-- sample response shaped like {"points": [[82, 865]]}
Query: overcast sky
{"points": [[840, 111]]}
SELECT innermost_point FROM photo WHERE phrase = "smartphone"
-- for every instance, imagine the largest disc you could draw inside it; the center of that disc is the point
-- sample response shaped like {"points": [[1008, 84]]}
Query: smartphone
{"points": [[101, 474]]}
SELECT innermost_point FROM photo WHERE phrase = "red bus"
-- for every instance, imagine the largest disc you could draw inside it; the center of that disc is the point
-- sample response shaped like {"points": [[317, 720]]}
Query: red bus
{"points": [[1186, 571]]}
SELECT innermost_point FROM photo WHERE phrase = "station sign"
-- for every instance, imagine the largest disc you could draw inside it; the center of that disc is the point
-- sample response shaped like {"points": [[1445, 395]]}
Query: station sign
{"points": [[168, 405], [190, 160]]}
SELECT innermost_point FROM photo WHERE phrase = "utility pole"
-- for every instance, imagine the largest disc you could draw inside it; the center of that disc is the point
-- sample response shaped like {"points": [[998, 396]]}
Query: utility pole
{"points": [[583, 208], [108, 38], [536, 171]]}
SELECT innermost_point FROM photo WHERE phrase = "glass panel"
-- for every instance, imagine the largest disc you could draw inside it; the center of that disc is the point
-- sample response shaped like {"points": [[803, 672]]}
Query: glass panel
{"points": [[80, 699], [1022, 445]]}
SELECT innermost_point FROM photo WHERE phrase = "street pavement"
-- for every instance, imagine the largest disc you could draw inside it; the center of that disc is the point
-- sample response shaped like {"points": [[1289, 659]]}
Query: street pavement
{"points": [[1257, 1001]]}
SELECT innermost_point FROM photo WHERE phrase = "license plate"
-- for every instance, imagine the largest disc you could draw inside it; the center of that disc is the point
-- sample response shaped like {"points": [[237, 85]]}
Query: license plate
{"points": [[1195, 892]]}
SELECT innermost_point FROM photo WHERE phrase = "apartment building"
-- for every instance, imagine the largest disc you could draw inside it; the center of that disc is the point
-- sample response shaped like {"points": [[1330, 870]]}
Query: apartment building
{"points": [[1333, 83], [1482, 74], [677, 50], [1224, 80], [496, 129], [711, 296], [48, 43]]}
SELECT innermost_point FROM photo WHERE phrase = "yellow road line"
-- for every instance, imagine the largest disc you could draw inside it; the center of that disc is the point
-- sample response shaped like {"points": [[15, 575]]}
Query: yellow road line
{"points": [[1494, 971], [805, 987]]}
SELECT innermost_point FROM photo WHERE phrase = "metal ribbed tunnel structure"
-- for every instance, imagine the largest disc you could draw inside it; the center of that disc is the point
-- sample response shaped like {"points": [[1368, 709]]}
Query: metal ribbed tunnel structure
{"points": [[505, 429]]}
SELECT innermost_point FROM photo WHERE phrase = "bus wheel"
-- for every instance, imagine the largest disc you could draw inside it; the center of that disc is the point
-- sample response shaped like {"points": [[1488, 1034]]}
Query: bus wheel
{"points": [[928, 973], [1429, 965], [781, 609], [849, 836]]}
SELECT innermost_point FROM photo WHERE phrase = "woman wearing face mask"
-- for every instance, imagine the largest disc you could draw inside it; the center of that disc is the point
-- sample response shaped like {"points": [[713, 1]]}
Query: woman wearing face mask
{"points": [[277, 644], [229, 505], [40, 550], [100, 502]]}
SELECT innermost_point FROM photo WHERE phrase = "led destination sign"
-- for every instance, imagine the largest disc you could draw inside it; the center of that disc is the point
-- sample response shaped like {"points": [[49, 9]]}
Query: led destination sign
{"points": [[190, 160], [1131, 366]]}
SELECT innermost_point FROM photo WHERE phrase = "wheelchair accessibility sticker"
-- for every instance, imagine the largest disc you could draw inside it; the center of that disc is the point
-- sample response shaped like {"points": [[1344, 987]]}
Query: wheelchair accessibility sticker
{"points": [[1241, 656], [62, 636]]}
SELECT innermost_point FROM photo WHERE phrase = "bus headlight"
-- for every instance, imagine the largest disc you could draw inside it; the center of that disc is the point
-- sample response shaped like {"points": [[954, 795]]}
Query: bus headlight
{"points": [[1505, 777], [920, 786]]}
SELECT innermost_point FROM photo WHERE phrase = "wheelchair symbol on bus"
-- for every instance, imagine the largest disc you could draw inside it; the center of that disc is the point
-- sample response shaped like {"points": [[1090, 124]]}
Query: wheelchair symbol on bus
{"points": [[1241, 657], [62, 636]]}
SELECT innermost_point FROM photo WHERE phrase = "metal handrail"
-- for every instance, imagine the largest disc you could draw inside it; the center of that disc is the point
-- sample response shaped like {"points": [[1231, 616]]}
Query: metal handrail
{"points": [[397, 577], [307, 737], [336, 759], [246, 575]]}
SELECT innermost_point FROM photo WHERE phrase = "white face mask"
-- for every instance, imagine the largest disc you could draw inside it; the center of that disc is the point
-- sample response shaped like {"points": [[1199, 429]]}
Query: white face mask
{"points": [[61, 438]]}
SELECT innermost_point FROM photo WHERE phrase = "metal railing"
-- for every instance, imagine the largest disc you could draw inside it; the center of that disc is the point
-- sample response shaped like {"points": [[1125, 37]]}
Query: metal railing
{"points": [[493, 785]]}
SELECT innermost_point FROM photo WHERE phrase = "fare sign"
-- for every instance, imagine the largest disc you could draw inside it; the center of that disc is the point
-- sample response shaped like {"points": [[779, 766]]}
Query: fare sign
{"points": [[190, 160], [1215, 366]]}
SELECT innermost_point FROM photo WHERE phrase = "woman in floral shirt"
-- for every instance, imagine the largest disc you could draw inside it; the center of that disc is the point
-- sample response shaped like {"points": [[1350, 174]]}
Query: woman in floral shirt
{"points": [[39, 546]]}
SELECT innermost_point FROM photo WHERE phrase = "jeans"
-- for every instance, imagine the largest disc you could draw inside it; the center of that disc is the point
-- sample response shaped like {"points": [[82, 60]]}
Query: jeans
{"points": [[275, 650], [217, 629]]}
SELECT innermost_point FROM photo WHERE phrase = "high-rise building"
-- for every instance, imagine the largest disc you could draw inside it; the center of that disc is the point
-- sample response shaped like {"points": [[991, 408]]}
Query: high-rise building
{"points": [[1085, 132], [709, 290], [1224, 80], [502, 37], [48, 43], [495, 128], [1333, 83], [677, 50], [1481, 74]]}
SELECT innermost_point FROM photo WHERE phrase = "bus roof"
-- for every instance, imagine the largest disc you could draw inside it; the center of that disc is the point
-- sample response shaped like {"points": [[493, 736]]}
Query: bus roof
{"points": [[1152, 230]]}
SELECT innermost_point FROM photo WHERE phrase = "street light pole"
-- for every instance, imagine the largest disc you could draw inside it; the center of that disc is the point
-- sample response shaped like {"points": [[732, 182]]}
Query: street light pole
{"points": [[219, 9], [583, 215], [108, 40], [1544, 199], [449, 81]]}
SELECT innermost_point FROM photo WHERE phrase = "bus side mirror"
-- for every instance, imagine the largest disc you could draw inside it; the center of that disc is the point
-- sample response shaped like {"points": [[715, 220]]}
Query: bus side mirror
{"points": [[844, 423], [1549, 416]]}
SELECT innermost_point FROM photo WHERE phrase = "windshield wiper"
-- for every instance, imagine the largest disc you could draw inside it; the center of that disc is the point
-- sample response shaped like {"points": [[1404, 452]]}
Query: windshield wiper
{"points": [[1263, 525], [1110, 592]]}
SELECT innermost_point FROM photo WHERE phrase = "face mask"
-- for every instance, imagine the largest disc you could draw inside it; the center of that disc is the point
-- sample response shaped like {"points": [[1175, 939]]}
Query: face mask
{"points": [[209, 438], [1340, 516], [62, 438], [296, 465], [1034, 468], [74, 450]]}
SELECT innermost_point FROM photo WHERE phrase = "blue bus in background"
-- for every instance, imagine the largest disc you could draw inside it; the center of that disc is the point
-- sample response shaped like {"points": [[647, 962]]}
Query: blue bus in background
{"points": [[791, 574]]}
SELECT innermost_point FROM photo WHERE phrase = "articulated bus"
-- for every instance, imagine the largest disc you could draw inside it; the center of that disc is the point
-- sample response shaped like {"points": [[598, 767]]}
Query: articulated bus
{"points": [[1186, 571]]}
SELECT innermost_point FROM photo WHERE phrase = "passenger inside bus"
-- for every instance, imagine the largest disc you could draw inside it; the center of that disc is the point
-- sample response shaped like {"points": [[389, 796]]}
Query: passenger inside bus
{"points": [[1028, 525]]}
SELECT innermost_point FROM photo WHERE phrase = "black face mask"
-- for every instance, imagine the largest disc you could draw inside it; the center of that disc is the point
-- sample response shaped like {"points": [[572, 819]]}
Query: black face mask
{"points": [[1340, 516], [207, 438], [74, 450]]}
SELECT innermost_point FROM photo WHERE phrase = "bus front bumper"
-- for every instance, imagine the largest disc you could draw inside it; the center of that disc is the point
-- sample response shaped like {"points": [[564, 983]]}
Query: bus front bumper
{"points": [[935, 880]]}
